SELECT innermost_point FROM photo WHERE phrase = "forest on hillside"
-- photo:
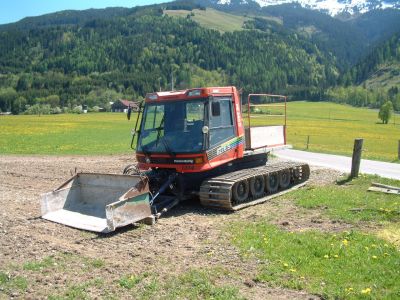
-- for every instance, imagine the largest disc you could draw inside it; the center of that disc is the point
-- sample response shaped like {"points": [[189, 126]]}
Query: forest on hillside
{"points": [[137, 51]]}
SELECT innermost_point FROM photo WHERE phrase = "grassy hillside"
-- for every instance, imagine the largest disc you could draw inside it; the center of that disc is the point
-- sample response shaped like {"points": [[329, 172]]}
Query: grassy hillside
{"points": [[387, 76], [211, 18], [332, 128]]}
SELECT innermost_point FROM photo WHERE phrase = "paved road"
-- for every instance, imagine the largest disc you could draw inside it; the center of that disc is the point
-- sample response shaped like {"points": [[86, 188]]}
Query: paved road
{"points": [[341, 163]]}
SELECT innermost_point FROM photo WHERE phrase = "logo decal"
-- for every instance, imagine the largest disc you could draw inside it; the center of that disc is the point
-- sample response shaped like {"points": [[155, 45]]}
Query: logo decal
{"points": [[231, 144]]}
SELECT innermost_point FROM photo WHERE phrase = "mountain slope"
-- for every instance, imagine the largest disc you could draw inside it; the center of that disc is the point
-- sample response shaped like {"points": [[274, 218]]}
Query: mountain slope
{"points": [[378, 25], [348, 37], [381, 65], [329, 34], [331, 7], [139, 53], [67, 17]]}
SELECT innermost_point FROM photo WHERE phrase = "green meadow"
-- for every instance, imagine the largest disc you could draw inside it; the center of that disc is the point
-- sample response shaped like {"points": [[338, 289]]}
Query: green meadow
{"points": [[213, 19], [97, 133], [332, 129]]}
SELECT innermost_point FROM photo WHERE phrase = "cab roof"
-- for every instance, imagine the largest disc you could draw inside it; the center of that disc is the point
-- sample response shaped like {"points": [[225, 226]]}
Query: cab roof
{"points": [[190, 93]]}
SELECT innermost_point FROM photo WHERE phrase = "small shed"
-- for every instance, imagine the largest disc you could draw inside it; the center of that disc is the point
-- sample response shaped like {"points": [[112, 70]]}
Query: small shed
{"points": [[123, 105]]}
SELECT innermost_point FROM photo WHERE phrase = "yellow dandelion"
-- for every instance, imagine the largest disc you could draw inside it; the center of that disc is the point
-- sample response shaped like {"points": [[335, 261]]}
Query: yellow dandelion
{"points": [[386, 245], [366, 291], [293, 270], [374, 257], [366, 248], [373, 246], [345, 242], [302, 277], [285, 265], [326, 256], [336, 256]]}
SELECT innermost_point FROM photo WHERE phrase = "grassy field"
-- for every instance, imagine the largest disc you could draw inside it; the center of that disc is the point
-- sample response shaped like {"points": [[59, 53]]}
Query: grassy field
{"points": [[213, 19], [347, 265], [332, 128], [66, 134], [360, 263], [352, 202]]}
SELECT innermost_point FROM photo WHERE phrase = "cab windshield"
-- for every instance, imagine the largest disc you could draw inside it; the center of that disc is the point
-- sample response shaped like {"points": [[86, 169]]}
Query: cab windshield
{"points": [[172, 127]]}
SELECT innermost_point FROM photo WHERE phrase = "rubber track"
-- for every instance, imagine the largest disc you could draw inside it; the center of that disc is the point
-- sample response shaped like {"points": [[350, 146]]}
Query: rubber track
{"points": [[217, 192]]}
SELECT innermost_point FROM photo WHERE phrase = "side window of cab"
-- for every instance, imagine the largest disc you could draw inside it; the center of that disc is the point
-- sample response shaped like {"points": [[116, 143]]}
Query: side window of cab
{"points": [[221, 121]]}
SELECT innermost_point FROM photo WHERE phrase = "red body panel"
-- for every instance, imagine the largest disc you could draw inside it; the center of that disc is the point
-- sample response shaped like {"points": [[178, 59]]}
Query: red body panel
{"points": [[224, 153]]}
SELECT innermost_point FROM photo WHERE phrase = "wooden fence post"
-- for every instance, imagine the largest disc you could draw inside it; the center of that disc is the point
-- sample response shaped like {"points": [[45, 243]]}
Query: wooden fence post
{"points": [[356, 160], [308, 141]]}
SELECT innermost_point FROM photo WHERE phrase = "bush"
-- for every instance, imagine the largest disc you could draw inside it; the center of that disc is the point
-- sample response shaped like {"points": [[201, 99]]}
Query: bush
{"points": [[77, 109], [56, 110], [95, 109], [38, 109], [385, 112], [66, 110]]}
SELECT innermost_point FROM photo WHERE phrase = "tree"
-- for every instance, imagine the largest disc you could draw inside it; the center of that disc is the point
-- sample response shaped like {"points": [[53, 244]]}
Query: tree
{"points": [[23, 83], [18, 105], [7, 97], [38, 109], [385, 112], [53, 100]]}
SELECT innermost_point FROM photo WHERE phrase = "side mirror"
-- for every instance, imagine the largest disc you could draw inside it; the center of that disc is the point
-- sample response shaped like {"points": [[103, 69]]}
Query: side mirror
{"points": [[129, 113], [215, 109]]}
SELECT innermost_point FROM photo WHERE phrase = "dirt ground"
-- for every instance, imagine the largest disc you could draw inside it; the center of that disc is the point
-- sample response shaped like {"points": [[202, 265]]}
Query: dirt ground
{"points": [[188, 237]]}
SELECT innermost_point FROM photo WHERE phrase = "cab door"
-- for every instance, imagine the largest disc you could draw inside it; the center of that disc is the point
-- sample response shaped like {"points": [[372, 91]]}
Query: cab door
{"points": [[221, 124]]}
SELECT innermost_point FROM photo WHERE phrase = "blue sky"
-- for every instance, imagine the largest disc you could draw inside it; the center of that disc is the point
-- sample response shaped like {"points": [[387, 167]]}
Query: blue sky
{"points": [[14, 10]]}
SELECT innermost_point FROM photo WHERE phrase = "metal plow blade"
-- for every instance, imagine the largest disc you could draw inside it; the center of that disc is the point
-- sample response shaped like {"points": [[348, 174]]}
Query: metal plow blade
{"points": [[98, 202]]}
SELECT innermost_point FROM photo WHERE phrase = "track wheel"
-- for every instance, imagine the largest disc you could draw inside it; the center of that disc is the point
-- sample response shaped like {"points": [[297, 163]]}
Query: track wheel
{"points": [[296, 173], [257, 186], [271, 183], [284, 178], [240, 191]]}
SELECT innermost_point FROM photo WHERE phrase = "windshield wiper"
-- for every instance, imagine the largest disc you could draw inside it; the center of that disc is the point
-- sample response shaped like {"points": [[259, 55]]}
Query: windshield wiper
{"points": [[163, 140], [159, 128]]}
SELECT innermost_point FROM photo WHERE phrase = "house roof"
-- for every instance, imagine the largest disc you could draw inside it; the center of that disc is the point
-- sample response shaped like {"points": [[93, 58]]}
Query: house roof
{"points": [[128, 103]]}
